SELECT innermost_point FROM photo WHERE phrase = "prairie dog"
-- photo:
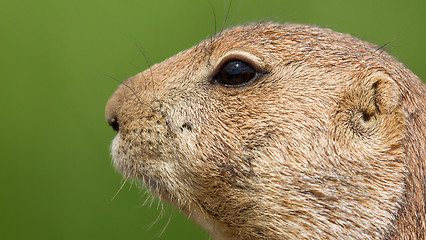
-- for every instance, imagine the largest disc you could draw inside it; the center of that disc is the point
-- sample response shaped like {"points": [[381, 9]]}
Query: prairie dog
{"points": [[273, 131]]}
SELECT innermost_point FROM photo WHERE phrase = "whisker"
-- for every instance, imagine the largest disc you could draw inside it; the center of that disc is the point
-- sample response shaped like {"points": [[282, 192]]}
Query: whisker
{"points": [[131, 89], [215, 20], [141, 50], [121, 187], [160, 215], [218, 35], [159, 204], [383, 47], [226, 17], [236, 12], [148, 198], [167, 224]]}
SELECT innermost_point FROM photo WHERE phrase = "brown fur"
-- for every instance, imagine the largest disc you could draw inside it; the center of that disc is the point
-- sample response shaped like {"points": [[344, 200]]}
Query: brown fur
{"points": [[328, 144]]}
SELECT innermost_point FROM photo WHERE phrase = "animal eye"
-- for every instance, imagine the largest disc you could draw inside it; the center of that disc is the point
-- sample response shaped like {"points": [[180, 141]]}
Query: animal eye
{"points": [[235, 73]]}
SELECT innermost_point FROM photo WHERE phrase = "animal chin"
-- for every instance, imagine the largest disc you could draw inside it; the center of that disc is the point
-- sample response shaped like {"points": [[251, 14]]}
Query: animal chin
{"points": [[134, 167], [114, 151], [121, 161]]}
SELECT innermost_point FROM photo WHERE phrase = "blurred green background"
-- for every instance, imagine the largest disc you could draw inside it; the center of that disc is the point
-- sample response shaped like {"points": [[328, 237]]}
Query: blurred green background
{"points": [[56, 177]]}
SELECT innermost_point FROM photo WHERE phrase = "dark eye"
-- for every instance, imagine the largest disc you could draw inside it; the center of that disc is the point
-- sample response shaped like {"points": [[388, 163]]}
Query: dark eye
{"points": [[235, 73]]}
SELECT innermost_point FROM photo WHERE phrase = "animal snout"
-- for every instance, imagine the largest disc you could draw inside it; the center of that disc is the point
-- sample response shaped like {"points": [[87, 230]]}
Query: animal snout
{"points": [[113, 108], [130, 97], [111, 113]]}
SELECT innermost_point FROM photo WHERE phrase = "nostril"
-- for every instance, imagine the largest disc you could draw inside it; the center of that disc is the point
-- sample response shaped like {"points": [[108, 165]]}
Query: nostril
{"points": [[113, 108], [113, 122]]}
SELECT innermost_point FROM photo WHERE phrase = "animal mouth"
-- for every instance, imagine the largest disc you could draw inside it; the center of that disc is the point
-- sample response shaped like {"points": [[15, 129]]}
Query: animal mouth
{"points": [[133, 166]]}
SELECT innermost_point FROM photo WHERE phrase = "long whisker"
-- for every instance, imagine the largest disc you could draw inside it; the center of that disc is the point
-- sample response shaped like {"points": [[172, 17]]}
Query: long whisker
{"points": [[141, 50], [217, 36], [160, 215], [226, 17], [131, 173], [131, 89], [121, 187], [167, 224], [214, 16]]}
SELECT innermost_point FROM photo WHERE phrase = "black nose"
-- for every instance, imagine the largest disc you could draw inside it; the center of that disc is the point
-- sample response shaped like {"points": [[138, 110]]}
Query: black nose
{"points": [[112, 110], [113, 122]]}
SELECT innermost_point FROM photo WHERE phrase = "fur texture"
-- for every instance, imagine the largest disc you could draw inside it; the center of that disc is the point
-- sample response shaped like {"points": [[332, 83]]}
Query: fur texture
{"points": [[328, 143]]}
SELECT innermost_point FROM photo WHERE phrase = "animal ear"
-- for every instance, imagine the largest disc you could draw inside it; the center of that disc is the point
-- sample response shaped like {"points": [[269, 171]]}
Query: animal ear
{"points": [[375, 95], [369, 105], [384, 92]]}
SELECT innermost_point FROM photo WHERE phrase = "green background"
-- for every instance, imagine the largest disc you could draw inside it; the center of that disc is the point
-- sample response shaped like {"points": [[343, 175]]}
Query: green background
{"points": [[56, 177]]}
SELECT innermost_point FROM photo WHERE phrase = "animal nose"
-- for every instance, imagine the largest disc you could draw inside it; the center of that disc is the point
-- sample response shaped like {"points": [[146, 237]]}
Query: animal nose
{"points": [[112, 109], [111, 114], [113, 122]]}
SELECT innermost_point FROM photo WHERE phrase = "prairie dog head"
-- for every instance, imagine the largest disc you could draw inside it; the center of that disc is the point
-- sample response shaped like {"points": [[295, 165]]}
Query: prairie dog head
{"points": [[271, 132]]}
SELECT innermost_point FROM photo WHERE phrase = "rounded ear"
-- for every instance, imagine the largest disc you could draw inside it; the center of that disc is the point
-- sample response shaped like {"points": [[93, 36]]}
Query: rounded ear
{"points": [[370, 106], [375, 95], [385, 92]]}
